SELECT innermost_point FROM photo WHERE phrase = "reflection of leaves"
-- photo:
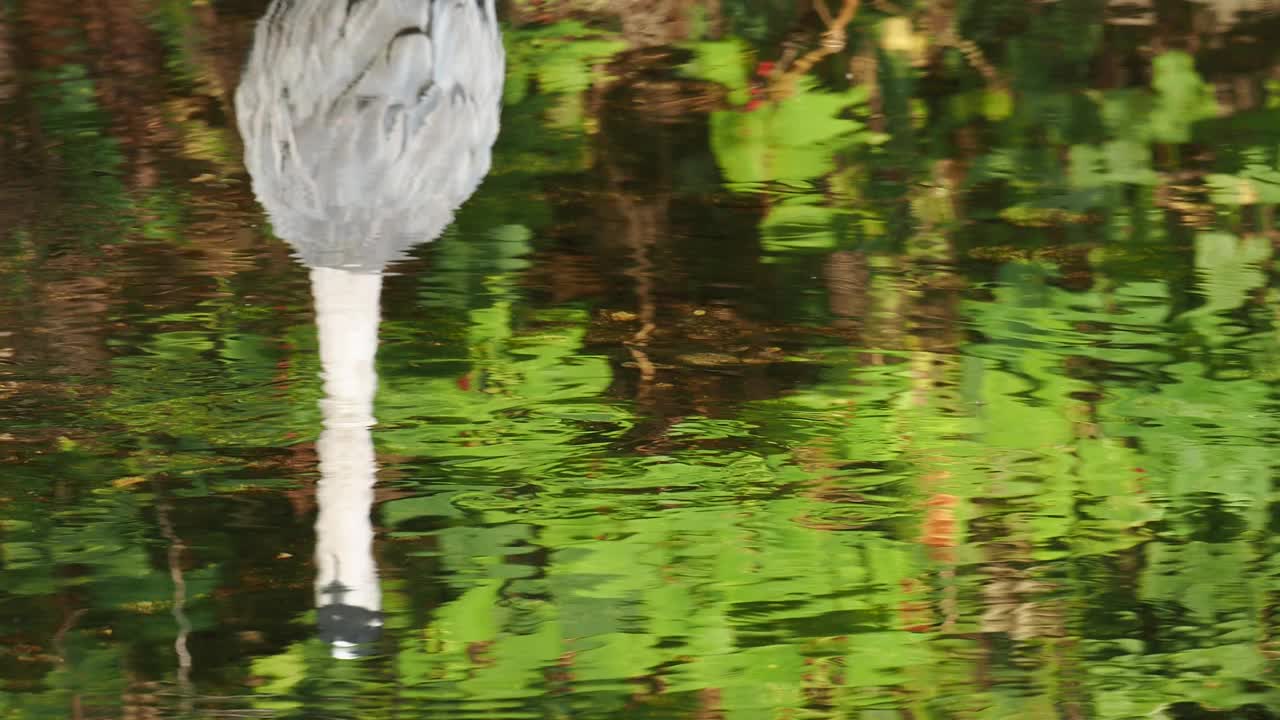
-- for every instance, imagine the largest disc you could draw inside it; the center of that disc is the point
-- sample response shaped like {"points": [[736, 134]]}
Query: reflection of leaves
{"points": [[67, 109], [795, 226], [1209, 580], [1255, 184], [282, 673], [1182, 97], [207, 385], [559, 57], [723, 62], [794, 139], [1229, 267]]}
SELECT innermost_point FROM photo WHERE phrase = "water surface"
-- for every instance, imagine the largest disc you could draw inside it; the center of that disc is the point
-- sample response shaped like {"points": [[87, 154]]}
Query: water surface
{"points": [[923, 369]]}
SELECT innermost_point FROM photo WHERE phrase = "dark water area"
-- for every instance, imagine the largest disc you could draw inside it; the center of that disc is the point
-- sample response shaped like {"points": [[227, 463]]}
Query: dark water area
{"points": [[782, 360]]}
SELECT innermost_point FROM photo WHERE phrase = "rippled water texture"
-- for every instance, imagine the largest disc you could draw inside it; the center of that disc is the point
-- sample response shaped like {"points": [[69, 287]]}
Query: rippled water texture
{"points": [[882, 360]]}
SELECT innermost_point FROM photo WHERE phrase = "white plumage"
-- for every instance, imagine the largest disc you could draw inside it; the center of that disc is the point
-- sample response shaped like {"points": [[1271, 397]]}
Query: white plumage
{"points": [[367, 122]]}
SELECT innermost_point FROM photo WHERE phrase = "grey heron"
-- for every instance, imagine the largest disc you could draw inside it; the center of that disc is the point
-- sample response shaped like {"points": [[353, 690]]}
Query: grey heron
{"points": [[366, 124]]}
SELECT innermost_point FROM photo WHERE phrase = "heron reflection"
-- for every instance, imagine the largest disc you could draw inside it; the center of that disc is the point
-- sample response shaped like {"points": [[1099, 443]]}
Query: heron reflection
{"points": [[366, 124]]}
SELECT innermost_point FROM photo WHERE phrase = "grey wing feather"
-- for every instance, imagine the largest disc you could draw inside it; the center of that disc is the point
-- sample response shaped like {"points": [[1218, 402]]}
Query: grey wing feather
{"points": [[367, 123]]}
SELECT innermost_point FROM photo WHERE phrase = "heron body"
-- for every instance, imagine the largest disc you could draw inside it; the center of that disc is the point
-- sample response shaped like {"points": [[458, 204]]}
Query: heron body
{"points": [[368, 122]]}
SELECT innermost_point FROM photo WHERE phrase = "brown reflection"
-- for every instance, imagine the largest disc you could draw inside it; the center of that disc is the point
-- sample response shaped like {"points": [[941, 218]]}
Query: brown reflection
{"points": [[644, 23], [127, 60], [833, 40], [1014, 603], [686, 342], [654, 22], [847, 276], [73, 238], [1014, 598], [8, 62]]}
